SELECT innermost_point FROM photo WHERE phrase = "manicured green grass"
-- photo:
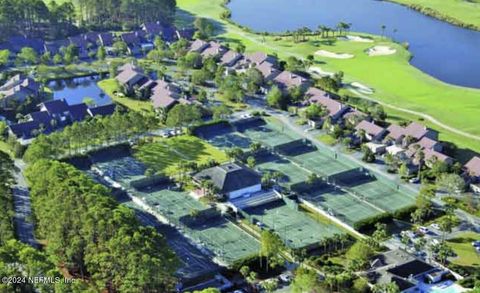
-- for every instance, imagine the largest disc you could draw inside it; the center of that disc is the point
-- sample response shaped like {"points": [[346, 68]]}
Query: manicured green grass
{"points": [[164, 155], [394, 80], [4, 147], [110, 86], [455, 11], [327, 139], [466, 253]]}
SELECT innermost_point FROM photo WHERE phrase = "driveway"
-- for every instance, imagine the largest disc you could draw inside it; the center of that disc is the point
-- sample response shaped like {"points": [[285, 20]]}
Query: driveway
{"points": [[21, 201]]}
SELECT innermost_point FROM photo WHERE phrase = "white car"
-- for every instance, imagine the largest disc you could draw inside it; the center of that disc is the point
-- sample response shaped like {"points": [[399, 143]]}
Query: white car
{"points": [[435, 226], [286, 277], [423, 230]]}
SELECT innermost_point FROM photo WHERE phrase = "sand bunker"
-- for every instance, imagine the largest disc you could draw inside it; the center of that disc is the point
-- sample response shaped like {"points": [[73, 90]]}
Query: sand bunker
{"points": [[381, 51], [362, 88], [329, 54], [356, 39], [320, 71]]}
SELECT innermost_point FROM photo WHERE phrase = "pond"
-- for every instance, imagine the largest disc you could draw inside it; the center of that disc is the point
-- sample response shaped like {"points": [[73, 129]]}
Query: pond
{"points": [[79, 90], [442, 50]]}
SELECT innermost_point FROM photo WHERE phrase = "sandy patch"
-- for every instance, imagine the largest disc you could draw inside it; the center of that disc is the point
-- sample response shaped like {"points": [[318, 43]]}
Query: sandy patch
{"points": [[381, 51], [329, 54], [319, 71], [362, 88], [356, 39]]}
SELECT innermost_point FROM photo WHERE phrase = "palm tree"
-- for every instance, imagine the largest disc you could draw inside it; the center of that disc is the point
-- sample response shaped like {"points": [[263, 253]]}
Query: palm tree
{"points": [[343, 27], [383, 27]]}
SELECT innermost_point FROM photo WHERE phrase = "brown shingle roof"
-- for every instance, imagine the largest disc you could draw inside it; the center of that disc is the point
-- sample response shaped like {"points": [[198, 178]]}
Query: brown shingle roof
{"points": [[416, 130], [395, 131], [229, 57], [473, 166], [268, 70], [287, 79], [370, 128]]}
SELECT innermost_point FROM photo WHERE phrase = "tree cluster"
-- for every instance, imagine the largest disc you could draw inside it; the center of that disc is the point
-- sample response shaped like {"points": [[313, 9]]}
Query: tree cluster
{"points": [[35, 17], [89, 133], [7, 167], [92, 236]]}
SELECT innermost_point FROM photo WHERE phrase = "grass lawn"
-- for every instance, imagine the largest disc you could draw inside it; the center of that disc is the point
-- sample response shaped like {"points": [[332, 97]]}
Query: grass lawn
{"points": [[164, 154], [4, 147], [404, 86], [109, 86], [466, 254], [456, 11], [327, 139]]}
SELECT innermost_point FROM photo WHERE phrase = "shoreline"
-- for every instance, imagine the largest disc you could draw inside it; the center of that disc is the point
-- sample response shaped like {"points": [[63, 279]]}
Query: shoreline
{"points": [[388, 91], [433, 13]]}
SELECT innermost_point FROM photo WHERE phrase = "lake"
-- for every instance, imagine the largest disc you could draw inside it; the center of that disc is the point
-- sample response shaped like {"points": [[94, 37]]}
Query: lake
{"points": [[76, 90], [442, 50]]}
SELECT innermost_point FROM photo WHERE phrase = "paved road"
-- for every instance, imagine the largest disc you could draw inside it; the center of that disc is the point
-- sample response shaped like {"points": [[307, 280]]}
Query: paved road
{"points": [[471, 220], [21, 200]]}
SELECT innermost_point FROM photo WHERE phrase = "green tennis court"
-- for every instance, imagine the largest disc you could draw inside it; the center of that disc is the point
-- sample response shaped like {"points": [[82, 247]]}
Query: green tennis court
{"points": [[343, 205], [292, 174], [268, 136], [230, 140], [383, 196], [321, 164], [224, 239], [295, 228]]}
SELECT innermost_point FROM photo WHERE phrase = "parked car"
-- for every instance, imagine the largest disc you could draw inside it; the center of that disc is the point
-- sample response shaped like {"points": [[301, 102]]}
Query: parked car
{"points": [[285, 277], [415, 180], [476, 243], [435, 226], [423, 230], [260, 224]]}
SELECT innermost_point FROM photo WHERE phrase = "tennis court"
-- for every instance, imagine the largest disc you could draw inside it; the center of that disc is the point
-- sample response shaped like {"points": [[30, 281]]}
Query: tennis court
{"points": [[342, 205], [384, 196], [268, 136], [321, 164], [291, 173], [230, 140], [218, 235], [122, 170], [296, 229]]}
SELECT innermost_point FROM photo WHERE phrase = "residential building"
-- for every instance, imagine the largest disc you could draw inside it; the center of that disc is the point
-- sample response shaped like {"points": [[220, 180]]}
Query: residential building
{"points": [[198, 46], [268, 70], [398, 267], [472, 169], [230, 58], [106, 39], [17, 89], [372, 131], [335, 109], [409, 134], [130, 77], [287, 80], [54, 115], [214, 50], [232, 180], [258, 58], [165, 95]]}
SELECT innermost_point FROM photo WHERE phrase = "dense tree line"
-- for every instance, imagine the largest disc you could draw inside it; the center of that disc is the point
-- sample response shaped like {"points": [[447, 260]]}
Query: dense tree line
{"points": [[32, 17], [7, 167], [35, 17], [90, 133], [93, 237], [118, 13]]}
